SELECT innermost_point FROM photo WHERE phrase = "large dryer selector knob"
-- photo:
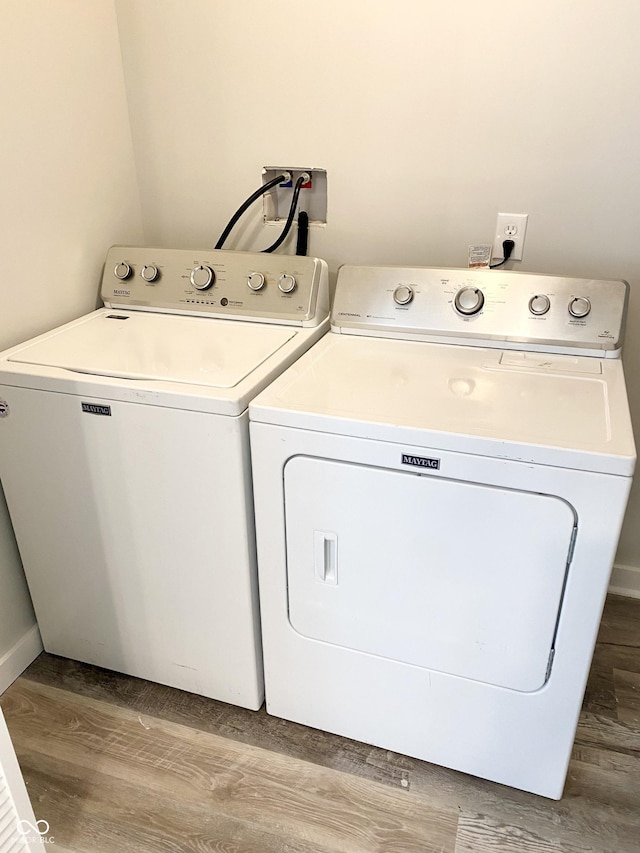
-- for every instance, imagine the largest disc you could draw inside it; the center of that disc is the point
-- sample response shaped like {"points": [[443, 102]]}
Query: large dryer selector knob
{"points": [[202, 277], [579, 307], [468, 300], [403, 294]]}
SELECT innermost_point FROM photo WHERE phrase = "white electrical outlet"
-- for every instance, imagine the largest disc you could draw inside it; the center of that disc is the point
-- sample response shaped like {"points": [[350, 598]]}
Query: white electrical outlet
{"points": [[510, 226]]}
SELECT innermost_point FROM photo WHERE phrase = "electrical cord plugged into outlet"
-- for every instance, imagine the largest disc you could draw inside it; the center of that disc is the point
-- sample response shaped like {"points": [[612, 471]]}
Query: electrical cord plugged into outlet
{"points": [[507, 249]]}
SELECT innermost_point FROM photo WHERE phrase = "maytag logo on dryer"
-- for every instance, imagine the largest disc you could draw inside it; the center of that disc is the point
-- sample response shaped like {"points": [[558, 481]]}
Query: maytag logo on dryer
{"points": [[420, 461], [96, 409]]}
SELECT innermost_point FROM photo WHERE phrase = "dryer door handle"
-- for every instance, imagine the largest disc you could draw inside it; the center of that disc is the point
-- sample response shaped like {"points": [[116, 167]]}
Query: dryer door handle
{"points": [[325, 556]]}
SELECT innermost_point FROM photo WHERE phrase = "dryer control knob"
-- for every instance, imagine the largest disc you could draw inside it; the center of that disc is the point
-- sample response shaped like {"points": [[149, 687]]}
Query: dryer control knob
{"points": [[579, 307], [287, 283], [149, 273], [539, 304], [255, 281], [202, 277], [468, 300], [403, 294], [122, 270]]}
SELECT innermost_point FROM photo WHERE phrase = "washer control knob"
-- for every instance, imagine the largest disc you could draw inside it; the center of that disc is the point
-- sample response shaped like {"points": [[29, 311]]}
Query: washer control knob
{"points": [[403, 294], [149, 273], [255, 281], [287, 283], [202, 277], [579, 307], [122, 270], [468, 300], [539, 304]]}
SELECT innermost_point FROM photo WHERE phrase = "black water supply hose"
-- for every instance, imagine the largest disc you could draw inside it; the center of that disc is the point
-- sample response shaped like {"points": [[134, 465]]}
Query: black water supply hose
{"points": [[302, 243], [279, 179], [304, 177]]}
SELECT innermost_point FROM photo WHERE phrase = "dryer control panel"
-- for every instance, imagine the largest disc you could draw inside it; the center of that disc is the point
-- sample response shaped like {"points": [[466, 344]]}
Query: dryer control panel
{"points": [[483, 307], [236, 285]]}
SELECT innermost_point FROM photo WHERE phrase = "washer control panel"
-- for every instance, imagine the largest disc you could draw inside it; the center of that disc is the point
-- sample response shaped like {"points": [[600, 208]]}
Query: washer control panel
{"points": [[485, 307], [239, 285]]}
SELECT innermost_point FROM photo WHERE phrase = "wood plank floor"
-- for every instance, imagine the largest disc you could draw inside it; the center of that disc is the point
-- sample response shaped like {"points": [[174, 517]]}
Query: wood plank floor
{"points": [[118, 764]]}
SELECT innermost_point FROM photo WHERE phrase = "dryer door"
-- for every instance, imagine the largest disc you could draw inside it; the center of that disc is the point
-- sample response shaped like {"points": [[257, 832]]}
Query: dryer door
{"points": [[452, 576]]}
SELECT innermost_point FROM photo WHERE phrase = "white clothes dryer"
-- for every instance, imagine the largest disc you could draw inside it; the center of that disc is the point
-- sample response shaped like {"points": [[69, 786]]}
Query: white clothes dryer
{"points": [[440, 484], [124, 457]]}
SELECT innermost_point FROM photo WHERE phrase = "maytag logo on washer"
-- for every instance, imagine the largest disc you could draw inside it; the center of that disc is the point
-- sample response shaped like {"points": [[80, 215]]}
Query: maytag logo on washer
{"points": [[122, 292], [4, 409], [96, 409], [420, 461]]}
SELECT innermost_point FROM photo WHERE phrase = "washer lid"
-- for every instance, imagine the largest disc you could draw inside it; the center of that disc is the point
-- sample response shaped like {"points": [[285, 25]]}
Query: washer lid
{"points": [[568, 411], [163, 347]]}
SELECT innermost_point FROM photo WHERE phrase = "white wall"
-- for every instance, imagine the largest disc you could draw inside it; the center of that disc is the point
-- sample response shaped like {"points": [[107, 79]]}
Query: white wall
{"points": [[430, 117], [68, 190]]}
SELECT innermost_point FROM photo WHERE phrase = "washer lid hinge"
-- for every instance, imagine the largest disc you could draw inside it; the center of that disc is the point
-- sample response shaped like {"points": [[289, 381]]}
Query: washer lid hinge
{"points": [[572, 544], [549, 664]]}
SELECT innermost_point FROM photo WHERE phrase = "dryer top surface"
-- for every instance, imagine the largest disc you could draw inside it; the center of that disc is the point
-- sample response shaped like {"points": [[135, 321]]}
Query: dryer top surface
{"points": [[565, 410]]}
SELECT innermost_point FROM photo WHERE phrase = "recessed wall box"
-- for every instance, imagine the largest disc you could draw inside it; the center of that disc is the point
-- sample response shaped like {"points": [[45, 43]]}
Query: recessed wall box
{"points": [[313, 197]]}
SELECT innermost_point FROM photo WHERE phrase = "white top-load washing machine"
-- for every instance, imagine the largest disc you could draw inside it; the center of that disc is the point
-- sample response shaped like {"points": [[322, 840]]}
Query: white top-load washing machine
{"points": [[124, 457], [439, 486]]}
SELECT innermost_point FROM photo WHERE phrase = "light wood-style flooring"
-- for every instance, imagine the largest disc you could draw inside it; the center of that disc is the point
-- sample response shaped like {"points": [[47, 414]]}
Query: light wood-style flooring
{"points": [[119, 765]]}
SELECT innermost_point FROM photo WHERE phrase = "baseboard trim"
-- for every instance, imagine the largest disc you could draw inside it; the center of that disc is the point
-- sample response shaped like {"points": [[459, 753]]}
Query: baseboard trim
{"points": [[19, 656], [625, 580]]}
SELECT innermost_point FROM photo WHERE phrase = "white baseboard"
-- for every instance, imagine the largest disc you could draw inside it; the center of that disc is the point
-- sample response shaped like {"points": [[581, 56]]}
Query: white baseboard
{"points": [[625, 580], [19, 656]]}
